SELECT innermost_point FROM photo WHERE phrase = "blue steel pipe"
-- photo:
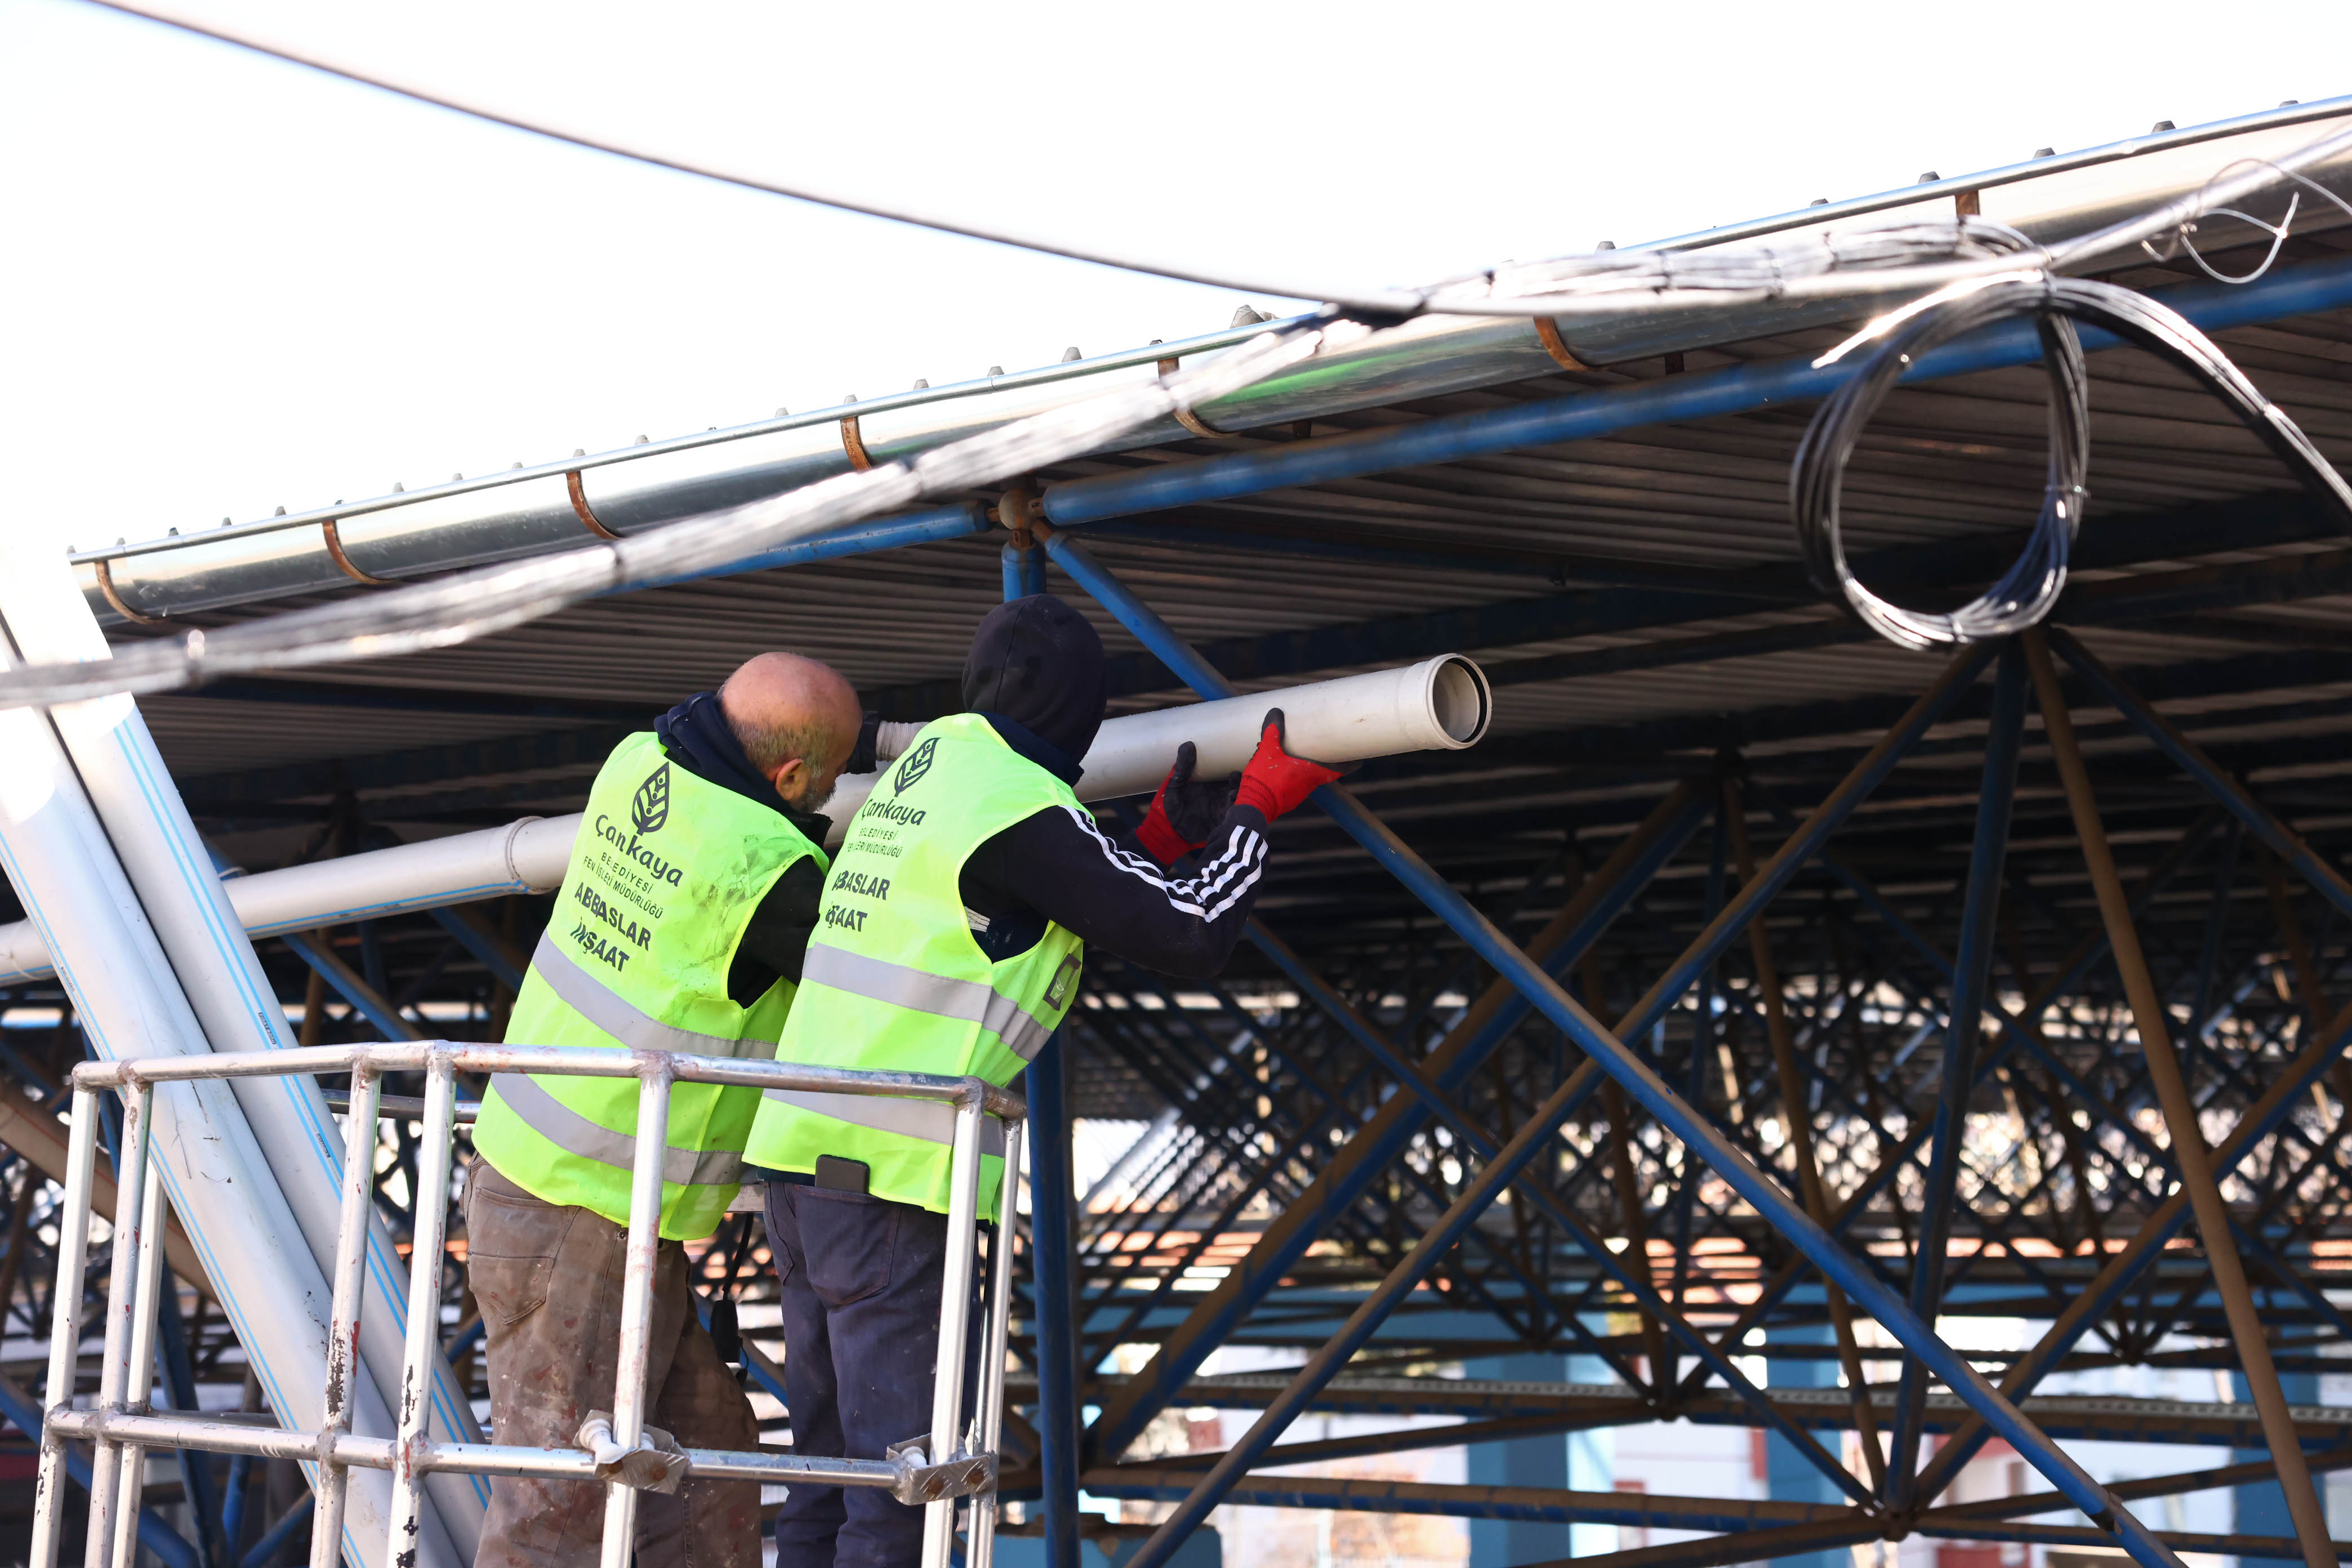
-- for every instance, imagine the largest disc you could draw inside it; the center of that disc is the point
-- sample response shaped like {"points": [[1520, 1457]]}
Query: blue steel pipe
{"points": [[1856, 1276], [957, 521], [2283, 841], [363, 998], [1055, 1282], [270, 1544], [171, 1547], [1053, 1286], [1024, 570], [1891, 1164], [1696, 1132], [2122, 1270], [2284, 1271], [1353, 1174], [1634, 1281], [486, 950], [1996, 794], [1189, 666], [1534, 1137], [1706, 395], [196, 1466]]}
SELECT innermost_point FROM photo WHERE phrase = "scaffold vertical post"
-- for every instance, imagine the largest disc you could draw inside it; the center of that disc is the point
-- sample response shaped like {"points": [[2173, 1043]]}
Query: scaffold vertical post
{"points": [[979, 1544], [131, 1188], [140, 1379], [360, 1134], [955, 1322], [65, 1318], [637, 1299], [427, 1239]]}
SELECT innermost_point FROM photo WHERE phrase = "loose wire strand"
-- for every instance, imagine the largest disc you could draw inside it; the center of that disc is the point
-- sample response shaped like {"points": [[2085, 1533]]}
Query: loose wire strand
{"points": [[472, 604], [2028, 591], [1966, 256], [1926, 256]]}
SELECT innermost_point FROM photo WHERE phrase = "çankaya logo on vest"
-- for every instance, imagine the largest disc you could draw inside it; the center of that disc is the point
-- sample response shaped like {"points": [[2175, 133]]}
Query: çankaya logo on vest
{"points": [[661, 869], [917, 764], [649, 807]]}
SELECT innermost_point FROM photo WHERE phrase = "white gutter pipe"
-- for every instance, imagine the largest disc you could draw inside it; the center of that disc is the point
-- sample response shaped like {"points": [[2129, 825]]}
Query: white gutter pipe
{"points": [[131, 1007], [183, 898], [1439, 704]]}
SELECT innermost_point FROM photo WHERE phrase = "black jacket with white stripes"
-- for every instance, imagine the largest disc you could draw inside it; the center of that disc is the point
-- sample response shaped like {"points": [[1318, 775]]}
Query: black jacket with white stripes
{"points": [[1058, 866]]}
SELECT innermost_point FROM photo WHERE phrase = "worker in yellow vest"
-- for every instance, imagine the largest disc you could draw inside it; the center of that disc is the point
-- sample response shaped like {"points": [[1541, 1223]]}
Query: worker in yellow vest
{"points": [[954, 923], [681, 926]]}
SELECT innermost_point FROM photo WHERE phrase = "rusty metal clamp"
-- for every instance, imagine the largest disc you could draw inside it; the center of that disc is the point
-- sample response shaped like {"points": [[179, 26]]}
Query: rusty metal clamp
{"points": [[920, 1481], [656, 1465], [1016, 508]]}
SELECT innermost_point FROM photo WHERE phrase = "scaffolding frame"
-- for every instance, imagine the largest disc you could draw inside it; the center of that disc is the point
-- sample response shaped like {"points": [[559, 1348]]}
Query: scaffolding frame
{"points": [[920, 1471]]}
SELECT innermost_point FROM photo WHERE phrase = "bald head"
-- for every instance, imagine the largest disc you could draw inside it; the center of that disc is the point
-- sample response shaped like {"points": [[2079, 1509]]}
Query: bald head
{"points": [[796, 719]]}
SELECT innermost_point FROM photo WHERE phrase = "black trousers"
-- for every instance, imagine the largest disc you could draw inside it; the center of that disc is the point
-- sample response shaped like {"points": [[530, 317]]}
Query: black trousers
{"points": [[862, 1302]]}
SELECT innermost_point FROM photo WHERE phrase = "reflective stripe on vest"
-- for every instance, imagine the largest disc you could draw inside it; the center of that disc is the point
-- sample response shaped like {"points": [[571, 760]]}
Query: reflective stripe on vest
{"points": [[895, 980], [575, 1135], [596, 1001], [663, 876], [929, 1120], [879, 980]]}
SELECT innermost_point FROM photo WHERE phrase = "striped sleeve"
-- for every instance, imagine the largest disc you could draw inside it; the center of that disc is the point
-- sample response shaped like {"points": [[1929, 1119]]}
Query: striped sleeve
{"points": [[1063, 866]]}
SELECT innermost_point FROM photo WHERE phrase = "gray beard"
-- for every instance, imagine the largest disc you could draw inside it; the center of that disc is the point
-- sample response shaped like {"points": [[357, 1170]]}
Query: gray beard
{"points": [[801, 802]]}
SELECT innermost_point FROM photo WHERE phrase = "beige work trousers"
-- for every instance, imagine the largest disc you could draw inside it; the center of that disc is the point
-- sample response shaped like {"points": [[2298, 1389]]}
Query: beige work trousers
{"points": [[547, 1279]]}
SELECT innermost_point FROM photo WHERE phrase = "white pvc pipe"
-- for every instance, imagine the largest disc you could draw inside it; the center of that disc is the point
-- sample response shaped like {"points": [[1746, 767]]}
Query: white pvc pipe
{"points": [[525, 857], [182, 897], [1439, 704], [129, 1005]]}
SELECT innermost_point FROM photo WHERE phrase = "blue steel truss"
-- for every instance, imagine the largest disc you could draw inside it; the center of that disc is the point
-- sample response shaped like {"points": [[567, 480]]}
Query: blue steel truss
{"points": [[1788, 1022]]}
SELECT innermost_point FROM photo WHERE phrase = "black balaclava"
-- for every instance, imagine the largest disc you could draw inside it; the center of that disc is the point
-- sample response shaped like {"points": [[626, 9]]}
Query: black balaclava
{"points": [[1036, 662]]}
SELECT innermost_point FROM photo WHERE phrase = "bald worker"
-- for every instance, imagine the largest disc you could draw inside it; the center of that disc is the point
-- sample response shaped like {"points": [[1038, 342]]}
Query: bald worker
{"points": [[694, 882]]}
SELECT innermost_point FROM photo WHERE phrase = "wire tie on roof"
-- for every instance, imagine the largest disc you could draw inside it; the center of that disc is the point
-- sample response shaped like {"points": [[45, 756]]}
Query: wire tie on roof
{"points": [[854, 443], [1185, 416], [335, 548], [106, 586], [1193, 422], [1557, 346], [580, 508]]}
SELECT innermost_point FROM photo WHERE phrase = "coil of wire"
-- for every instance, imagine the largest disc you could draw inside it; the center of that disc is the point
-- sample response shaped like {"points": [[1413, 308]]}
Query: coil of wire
{"points": [[2028, 591]]}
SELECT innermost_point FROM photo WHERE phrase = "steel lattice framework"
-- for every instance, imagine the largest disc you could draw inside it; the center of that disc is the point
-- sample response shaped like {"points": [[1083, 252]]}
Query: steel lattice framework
{"points": [[1756, 984]]}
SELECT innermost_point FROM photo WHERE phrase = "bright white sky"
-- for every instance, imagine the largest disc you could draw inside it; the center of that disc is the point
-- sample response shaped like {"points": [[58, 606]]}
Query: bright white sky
{"points": [[232, 284]]}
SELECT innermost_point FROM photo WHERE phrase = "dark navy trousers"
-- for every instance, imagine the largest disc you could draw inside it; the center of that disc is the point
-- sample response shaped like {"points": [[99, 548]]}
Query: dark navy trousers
{"points": [[862, 1302]]}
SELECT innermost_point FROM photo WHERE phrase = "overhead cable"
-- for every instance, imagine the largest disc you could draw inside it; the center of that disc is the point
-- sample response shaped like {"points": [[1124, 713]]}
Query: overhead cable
{"points": [[1972, 259], [1376, 302], [2030, 588], [1613, 280]]}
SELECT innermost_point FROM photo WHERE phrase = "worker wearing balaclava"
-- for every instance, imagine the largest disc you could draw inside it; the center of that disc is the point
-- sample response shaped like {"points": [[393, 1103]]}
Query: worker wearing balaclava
{"points": [[956, 916]]}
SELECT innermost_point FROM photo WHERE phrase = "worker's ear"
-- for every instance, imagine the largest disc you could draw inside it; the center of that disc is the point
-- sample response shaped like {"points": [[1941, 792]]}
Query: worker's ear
{"points": [[790, 777]]}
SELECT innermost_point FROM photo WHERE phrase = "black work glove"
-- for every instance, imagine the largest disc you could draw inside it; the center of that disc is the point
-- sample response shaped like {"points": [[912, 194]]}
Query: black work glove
{"points": [[1186, 810], [862, 758]]}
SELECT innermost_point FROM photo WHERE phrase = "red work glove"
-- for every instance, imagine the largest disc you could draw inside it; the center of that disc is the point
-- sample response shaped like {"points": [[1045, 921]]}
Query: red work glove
{"points": [[1185, 812], [1276, 782]]}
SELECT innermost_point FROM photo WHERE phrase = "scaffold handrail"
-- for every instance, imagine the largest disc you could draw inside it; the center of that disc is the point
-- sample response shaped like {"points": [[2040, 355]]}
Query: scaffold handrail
{"points": [[956, 1459]]}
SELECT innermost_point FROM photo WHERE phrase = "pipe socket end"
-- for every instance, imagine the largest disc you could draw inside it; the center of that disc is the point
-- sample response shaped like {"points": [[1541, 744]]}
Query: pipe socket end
{"points": [[1461, 701]]}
